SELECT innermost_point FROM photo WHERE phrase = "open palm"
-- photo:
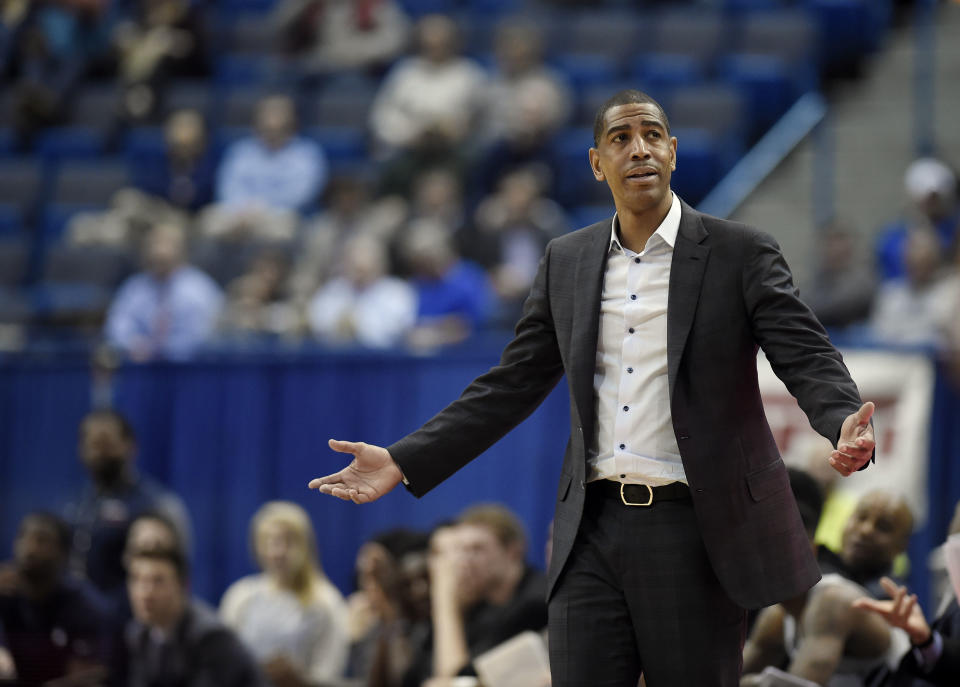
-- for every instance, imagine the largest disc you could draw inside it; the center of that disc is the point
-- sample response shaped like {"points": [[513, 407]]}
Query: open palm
{"points": [[371, 474]]}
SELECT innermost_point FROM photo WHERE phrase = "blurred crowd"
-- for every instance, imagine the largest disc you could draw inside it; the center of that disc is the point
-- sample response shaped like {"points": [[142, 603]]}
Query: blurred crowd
{"points": [[99, 594]]}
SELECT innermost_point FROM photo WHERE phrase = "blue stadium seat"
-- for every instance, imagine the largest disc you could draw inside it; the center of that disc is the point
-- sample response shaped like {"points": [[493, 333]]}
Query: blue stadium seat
{"points": [[418, 8], [21, 183], [716, 109], [699, 165], [14, 261], [346, 105], [88, 182], [848, 30], [612, 33], [766, 83], [69, 302], [95, 106], [659, 74], [585, 215], [246, 33], [586, 71], [99, 265], [189, 95], [8, 140], [575, 183], [790, 35], [14, 307], [55, 217], [241, 70], [70, 143], [143, 143], [340, 144], [480, 7], [702, 35], [11, 220]]}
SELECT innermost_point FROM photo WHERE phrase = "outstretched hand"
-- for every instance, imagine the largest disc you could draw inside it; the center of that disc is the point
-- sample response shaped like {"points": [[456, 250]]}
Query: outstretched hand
{"points": [[856, 443], [370, 475], [901, 611]]}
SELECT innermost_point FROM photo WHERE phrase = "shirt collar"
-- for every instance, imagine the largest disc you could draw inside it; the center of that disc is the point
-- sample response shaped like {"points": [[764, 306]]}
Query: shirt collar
{"points": [[667, 231]]}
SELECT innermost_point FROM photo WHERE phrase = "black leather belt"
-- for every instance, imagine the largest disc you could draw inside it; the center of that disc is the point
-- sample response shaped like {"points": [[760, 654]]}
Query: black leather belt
{"points": [[640, 494]]}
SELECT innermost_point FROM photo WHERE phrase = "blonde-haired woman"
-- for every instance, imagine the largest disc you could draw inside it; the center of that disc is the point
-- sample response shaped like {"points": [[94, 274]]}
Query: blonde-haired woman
{"points": [[290, 616]]}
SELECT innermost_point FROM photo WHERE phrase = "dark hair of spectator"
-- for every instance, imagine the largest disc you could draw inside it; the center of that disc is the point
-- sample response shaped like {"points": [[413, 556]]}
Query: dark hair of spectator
{"points": [[401, 541], [497, 518], [126, 429], [171, 556], [54, 522], [629, 96], [809, 498]]}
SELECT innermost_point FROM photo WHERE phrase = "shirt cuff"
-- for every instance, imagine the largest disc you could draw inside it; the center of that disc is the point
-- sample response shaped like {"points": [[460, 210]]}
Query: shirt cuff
{"points": [[928, 656]]}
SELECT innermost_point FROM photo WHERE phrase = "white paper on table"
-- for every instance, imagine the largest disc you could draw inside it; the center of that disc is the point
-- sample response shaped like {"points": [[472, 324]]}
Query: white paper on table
{"points": [[951, 550], [518, 662]]}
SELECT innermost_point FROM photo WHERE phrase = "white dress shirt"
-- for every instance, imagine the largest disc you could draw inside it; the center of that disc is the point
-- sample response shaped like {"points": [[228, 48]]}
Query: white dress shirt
{"points": [[635, 442]]}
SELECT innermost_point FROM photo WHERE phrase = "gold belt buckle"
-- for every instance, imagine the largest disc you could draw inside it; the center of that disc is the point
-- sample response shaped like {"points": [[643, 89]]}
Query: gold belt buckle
{"points": [[637, 503]]}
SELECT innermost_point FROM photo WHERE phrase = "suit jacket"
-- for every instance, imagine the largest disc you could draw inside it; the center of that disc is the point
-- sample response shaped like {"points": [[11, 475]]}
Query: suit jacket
{"points": [[946, 671], [730, 292]]}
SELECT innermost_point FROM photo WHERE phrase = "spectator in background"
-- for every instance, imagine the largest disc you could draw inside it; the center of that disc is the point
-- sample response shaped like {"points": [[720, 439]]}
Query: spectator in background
{"points": [[349, 211], [115, 495], [330, 36], [161, 40], [176, 640], [511, 230], [527, 103], [453, 295], [482, 590], [842, 289], [819, 635], [875, 534], [428, 107], [257, 302], [390, 611], [266, 180], [168, 310], [58, 45], [931, 188], [51, 626], [915, 309], [290, 616], [183, 176], [365, 305]]}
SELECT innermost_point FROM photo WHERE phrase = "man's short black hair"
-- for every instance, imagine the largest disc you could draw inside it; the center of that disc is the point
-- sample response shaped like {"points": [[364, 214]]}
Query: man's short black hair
{"points": [[123, 424], [54, 522], [174, 557], [809, 498], [628, 96]]}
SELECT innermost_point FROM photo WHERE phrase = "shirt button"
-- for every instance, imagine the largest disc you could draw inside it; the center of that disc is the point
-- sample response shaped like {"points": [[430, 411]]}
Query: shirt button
{"points": [[637, 260], [626, 408], [622, 446], [633, 296], [623, 476], [629, 370], [630, 330]]}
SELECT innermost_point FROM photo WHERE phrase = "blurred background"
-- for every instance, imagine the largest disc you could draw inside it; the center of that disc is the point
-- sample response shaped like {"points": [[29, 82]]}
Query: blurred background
{"points": [[252, 225]]}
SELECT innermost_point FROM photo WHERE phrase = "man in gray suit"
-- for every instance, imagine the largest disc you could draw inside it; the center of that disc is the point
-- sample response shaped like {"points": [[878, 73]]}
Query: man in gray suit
{"points": [[674, 511]]}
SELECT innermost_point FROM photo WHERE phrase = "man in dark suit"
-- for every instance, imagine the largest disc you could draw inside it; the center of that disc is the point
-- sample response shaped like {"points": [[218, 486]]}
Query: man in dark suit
{"points": [[674, 511]]}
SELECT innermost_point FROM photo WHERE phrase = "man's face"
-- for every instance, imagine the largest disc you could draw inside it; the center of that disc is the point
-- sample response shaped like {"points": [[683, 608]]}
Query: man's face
{"points": [[636, 157], [485, 559], [36, 550], [104, 450], [876, 533], [157, 595]]}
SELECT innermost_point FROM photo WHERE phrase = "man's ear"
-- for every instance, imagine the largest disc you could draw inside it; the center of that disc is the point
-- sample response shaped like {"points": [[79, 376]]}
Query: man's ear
{"points": [[673, 155], [595, 164]]}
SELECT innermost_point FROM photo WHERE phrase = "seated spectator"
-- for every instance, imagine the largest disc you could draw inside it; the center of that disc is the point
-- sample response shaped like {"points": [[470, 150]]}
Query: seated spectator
{"points": [[290, 616], [842, 289], [512, 229], [934, 658], [820, 636], [114, 497], [349, 210], [184, 175], [51, 626], [931, 188], [168, 310], [428, 106], [57, 45], [257, 302], [176, 640], [266, 180], [330, 36], [453, 295], [527, 104], [390, 611], [161, 40], [365, 305], [876, 533], [915, 309], [482, 590]]}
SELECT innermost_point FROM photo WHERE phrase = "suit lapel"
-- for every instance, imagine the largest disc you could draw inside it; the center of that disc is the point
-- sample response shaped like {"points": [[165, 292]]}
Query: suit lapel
{"points": [[686, 275], [591, 263]]}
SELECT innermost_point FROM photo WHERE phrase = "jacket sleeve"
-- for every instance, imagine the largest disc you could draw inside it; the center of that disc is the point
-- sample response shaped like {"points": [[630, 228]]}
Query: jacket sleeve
{"points": [[492, 404]]}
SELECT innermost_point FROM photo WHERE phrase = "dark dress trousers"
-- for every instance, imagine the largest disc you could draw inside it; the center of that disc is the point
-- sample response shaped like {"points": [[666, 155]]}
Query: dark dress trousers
{"points": [[730, 292]]}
